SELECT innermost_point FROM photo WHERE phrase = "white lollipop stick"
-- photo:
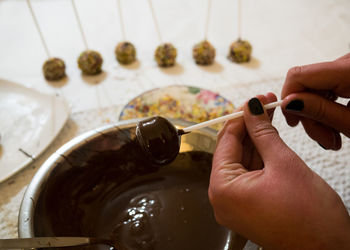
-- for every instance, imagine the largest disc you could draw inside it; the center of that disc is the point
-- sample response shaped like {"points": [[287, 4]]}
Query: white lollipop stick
{"points": [[155, 20], [79, 24], [207, 21], [226, 118], [38, 28]]}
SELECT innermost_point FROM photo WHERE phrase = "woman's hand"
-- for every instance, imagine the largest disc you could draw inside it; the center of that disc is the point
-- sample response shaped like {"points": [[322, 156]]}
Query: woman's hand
{"points": [[309, 95], [262, 190]]}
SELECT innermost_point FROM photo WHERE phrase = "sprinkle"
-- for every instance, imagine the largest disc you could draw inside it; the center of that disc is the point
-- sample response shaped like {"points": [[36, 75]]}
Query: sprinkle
{"points": [[170, 107]]}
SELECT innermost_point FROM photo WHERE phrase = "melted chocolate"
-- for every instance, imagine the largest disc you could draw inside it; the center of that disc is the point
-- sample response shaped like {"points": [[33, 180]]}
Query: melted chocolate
{"points": [[115, 193], [159, 138]]}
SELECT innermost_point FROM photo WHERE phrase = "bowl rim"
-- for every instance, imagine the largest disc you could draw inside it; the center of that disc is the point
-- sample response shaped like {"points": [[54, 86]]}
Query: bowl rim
{"points": [[31, 195]]}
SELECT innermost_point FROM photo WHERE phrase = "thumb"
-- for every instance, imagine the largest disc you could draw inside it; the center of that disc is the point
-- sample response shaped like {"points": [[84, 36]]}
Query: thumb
{"points": [[263, 135]]}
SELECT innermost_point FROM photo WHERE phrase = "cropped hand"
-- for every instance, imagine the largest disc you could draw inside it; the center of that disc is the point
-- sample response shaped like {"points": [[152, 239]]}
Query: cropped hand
{"points": [[262, 190], [309, 95]]}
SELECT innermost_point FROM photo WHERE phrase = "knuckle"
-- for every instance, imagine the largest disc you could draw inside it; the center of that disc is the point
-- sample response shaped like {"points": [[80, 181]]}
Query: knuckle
{"points": [[263, 130], [294, 73], [320, 111]]}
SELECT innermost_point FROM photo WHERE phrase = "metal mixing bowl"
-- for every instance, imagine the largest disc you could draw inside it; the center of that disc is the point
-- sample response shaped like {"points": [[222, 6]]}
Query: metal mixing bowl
{"points": [[201, 140]]}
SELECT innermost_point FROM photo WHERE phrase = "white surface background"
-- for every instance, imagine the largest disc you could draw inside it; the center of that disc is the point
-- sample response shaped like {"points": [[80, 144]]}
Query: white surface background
{"points": [[283, 34]]}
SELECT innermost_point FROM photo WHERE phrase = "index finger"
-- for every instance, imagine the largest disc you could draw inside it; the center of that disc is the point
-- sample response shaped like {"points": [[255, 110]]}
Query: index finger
{"points": [[333, 76]]}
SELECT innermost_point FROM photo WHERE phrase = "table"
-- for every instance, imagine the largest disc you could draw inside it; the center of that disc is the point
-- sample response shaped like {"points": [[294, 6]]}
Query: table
{"points": [[283, 34]]}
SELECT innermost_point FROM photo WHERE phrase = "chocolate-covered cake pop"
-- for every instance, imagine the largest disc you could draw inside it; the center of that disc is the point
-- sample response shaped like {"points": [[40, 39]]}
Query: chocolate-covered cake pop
{"points": [[165, 55], [90, 62], [203, 53], [54, 69], [125, 52], [240, 51], [159, 139]]}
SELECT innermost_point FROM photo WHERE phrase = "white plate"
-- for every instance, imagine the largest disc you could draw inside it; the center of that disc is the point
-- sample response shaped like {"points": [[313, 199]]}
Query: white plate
{"points": [[29, 121]]}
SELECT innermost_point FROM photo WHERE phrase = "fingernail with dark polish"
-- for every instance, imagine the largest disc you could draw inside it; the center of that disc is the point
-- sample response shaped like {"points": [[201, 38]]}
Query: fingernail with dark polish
{"points": [[255, 106], [337, 143], [321, 146], [295, 105]]}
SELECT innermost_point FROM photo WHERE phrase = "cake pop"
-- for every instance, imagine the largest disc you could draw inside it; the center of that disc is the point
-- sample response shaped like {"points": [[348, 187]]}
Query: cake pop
{"points": [[159, 138], [54, 69], [203, 53], [240, 51], [165, 55], [125, 53], [90, 62]]}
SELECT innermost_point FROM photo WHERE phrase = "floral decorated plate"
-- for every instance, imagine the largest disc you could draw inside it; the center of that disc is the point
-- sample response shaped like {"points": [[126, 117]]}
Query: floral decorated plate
{"points": [[179, 102]]}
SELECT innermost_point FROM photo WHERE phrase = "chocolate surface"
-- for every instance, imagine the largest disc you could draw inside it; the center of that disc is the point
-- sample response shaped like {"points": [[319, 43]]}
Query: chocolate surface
{"points": [[115, 193], [159, 139]]}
